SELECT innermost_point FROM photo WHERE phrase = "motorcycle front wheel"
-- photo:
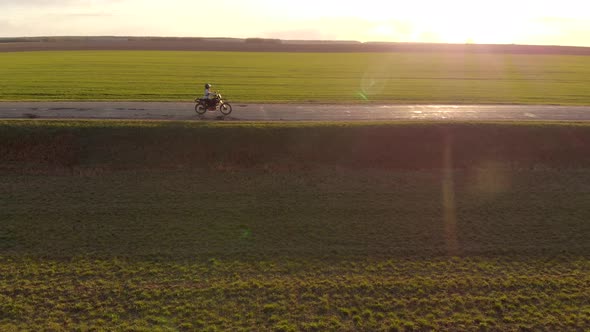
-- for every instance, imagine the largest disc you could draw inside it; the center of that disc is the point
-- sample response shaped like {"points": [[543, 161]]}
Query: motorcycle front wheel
{"points": [[200, 109], [225, 108]]}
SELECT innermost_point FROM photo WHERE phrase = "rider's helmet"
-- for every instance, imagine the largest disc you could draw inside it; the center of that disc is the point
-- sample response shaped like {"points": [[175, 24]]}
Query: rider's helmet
{"points": [[207, 86]]}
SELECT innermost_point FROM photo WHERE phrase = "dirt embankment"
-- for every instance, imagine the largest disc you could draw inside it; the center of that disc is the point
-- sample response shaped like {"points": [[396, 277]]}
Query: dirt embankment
{"points": [[263, 45], [135, 145]]}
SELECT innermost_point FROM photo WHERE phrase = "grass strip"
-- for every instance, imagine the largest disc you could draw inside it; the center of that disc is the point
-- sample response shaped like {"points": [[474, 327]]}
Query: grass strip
{"points": [[424, 78]]}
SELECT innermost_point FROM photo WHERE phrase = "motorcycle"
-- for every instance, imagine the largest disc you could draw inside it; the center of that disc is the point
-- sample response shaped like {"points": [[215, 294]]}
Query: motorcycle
{"points": [[205, 104]]}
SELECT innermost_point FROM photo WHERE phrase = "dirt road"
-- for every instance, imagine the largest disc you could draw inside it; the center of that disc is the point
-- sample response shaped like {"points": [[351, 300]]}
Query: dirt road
{"points": [[290, 112]]}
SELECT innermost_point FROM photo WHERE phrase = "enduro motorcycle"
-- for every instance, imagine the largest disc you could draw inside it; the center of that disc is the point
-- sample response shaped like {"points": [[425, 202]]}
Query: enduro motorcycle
{"points": [[204, 104]]}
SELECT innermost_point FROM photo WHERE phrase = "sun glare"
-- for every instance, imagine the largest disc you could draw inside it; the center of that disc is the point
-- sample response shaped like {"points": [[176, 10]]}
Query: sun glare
{"points": [[542, 22], [469, 28], [475, 30], [454, 21]]}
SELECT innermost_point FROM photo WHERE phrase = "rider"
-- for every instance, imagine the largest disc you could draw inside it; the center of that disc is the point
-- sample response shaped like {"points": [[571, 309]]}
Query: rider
{"points": [[208, 94]]}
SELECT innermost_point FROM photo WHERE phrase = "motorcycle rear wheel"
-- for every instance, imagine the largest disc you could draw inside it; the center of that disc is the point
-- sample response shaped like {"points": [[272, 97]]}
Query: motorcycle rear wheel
{"points": [[200, 109], [225, 108]]}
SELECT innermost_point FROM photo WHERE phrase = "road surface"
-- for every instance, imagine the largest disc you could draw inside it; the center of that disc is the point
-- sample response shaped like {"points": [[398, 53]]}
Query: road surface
{"points": [[290, 112]]}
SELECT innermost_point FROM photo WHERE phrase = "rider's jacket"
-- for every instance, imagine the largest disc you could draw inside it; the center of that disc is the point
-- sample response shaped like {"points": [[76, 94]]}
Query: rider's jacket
{"points": [[209, 94]]}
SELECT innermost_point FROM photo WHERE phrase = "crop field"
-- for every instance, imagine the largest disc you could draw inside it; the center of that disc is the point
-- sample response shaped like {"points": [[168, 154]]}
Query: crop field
{"points": [[112, 225], [297, 77]]}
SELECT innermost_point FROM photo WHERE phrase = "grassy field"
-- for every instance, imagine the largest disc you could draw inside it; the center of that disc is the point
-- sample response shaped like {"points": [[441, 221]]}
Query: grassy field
{"points": [[284, 227], [297, 77]]}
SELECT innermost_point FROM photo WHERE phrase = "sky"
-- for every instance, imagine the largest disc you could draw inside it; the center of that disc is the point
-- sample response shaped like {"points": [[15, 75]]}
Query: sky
{"points": [[540, 22]]}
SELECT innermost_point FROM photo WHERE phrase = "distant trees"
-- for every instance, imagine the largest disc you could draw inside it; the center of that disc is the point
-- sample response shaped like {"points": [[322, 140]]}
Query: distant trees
{"points": [[263, 41]]}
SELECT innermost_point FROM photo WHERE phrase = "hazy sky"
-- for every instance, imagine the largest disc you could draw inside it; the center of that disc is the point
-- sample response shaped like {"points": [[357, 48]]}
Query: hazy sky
{"points": [[563, 22]]}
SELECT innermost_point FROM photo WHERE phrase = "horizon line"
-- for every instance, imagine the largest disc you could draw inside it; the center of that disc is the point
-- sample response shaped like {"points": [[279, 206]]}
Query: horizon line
{"points": [[352, 41]]}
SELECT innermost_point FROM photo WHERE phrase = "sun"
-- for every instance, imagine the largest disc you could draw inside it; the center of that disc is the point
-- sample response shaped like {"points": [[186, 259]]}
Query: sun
{"points": [[467, 23], [481, 30], [453, 21]]}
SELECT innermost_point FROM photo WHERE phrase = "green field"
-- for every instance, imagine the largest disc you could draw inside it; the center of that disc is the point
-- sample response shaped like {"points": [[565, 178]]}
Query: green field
{"points": [[297, 77], [108, 225]]}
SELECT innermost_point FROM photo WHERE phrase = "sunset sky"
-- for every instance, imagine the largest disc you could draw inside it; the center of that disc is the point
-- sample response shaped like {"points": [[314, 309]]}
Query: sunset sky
{"points": [[546, 22]]}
